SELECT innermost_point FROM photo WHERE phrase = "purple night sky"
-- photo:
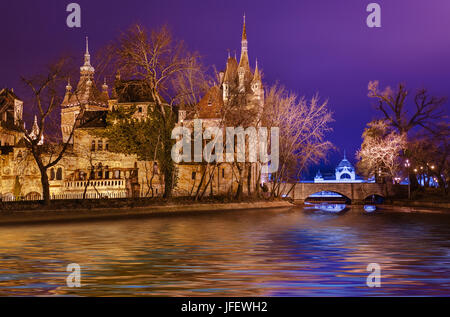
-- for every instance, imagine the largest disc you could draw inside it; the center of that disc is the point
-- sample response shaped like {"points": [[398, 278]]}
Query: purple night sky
{"points": [[309, 46]]}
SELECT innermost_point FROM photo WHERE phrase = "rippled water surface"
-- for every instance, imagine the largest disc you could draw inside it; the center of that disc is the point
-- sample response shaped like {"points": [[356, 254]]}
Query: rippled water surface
{"points": [[272, 252]]}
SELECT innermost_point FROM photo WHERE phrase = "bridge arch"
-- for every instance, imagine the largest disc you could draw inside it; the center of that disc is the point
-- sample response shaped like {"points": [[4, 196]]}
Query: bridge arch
{"points": [[352, 190], [374, 198], [328, 196]]}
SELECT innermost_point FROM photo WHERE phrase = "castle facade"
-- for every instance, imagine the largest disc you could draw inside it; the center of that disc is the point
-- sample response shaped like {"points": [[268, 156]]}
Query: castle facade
{"points": [[89, 170]]}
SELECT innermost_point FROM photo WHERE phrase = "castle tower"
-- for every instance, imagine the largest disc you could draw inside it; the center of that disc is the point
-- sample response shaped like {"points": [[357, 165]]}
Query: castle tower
{"points": [[85, 97]]}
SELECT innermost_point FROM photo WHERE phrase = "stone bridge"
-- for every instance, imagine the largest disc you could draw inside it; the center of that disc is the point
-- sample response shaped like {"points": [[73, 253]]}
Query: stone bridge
{"points": [[356, 192]]}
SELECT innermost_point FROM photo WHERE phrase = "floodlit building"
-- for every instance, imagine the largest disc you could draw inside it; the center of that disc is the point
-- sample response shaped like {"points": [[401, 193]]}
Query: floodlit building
{"points": [[238, 78], [344, 173], [89, 169]]}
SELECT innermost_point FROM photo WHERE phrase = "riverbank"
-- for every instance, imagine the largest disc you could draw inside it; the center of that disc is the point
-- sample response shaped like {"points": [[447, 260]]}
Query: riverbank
{"points": [[426, 204], [8, 217]]}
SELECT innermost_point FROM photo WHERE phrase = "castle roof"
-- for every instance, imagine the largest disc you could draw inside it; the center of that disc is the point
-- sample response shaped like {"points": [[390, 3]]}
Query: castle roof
{"points": [[92, 119], [231, 70]]}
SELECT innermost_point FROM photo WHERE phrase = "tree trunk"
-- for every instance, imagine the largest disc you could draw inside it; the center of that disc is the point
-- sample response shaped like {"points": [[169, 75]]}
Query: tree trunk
{"points": [[168, 182], [45, 187]]}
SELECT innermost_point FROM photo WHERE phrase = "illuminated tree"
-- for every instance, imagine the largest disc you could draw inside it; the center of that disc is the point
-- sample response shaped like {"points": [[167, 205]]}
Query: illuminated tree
{"points": [[381, 150]]}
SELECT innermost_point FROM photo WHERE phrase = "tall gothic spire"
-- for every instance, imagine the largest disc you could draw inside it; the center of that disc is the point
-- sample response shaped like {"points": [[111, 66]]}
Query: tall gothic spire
{"points": [[244, 43], [87, 56], [244, 49], [244, 31], [87, 67]]}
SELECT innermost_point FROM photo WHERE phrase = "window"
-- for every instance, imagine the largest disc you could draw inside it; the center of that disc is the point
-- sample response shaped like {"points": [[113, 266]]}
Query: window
{"points": [[223, 173], [106, 172], [59, 174], [93, 145], [140, 109], [52, 174], [117, 174], [193, 175], [100, 145], [106, 146]]}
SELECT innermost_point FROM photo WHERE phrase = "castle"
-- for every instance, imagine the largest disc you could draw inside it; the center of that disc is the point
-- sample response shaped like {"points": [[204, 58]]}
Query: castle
{"points": [[89, 170], [237, 84]]}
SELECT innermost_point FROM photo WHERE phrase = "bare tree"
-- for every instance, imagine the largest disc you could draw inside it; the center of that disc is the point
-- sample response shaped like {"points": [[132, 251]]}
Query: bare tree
{"points": [[45, 89], [413, 119], [403, 118], [169, 72], [303, 125]]}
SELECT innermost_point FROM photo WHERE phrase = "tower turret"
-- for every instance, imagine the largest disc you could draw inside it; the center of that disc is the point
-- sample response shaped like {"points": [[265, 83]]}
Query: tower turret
{"points": [[257, 83], [68, 93]]}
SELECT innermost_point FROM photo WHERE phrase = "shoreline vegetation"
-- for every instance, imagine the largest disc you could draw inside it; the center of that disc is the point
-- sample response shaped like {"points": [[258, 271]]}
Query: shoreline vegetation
{"points": [[24, 212]]}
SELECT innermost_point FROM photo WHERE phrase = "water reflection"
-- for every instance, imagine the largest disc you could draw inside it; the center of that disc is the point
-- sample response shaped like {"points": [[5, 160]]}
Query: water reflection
{"points": [[281, 252]]}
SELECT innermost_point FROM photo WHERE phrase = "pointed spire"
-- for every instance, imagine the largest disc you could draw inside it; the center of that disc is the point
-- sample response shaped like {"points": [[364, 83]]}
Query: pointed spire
{"points": [[34, 134], [244, 49], [87, 67], [105, 85], [256, 76], [87, 56], [244, 31], [69, 86], [34, 129]]}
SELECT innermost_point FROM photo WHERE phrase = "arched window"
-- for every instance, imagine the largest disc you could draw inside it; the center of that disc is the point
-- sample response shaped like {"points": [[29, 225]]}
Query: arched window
{"points": [[100, 145], [345, 176], [93, 145], [52, 174], [59, 174]]}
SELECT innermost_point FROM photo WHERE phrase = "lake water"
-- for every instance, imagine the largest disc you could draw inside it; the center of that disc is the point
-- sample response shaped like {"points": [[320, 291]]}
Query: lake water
{"points": [[267, 252]]}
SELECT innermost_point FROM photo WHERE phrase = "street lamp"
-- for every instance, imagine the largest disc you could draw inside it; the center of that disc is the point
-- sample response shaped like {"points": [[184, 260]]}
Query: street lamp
{"points": [[407, 165]]}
